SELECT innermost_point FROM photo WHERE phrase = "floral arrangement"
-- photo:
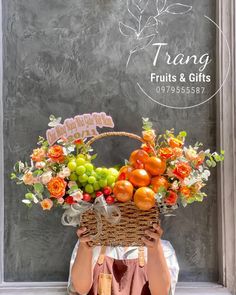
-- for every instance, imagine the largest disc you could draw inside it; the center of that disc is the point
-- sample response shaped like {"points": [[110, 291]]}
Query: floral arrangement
{"points": [[162, 170]]}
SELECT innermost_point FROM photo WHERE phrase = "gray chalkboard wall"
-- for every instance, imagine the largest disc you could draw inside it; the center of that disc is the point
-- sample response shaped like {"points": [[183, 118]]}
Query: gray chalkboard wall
{"points": [[68, 58]]}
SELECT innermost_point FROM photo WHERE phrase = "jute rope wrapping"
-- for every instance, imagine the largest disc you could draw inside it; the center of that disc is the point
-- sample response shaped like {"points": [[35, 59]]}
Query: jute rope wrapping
{"points": [[132, 223]]}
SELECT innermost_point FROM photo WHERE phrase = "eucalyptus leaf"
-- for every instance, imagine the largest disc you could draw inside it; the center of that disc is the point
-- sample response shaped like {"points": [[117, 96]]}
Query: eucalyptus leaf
{"points": [[190, 200], [208, 162], [213, 163], [182, 133], [39, 188], [199, 198], [39, 195], [13, 176], [29, 196], [37, 172]]}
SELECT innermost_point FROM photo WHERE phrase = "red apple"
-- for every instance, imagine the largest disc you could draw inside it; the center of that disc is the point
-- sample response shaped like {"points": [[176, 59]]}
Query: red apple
{"points": [[110, 200], [99, 193], [107, 190], [87, 197]]}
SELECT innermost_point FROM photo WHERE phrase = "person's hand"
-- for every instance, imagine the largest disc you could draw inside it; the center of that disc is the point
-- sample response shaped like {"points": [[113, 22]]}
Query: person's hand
{"points": [[84, 238], [153, 236]]}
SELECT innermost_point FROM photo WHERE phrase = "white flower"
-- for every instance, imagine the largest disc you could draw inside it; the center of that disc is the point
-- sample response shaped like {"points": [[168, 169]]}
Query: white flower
{"points": [[64, 173], [46, 177], [77, 195], [40, 165], [71, 183], [190, 154], [60, 201], [206, 174], [175, 185]]}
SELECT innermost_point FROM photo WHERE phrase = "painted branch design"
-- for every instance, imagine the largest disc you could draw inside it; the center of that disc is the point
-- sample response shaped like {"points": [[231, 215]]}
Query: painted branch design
{"points": [[146, 14]]}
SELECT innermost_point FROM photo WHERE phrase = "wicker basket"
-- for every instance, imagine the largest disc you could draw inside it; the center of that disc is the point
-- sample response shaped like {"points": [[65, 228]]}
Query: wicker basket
{"points": [[133, 223]]}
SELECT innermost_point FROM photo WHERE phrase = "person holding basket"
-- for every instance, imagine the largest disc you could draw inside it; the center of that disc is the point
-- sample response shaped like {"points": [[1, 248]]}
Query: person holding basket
{"points": [[99, 270]]}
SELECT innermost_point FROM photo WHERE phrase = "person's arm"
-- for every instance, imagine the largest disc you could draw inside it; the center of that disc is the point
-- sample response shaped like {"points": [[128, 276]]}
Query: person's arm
{"points": [[157, 269], [82, 269]]}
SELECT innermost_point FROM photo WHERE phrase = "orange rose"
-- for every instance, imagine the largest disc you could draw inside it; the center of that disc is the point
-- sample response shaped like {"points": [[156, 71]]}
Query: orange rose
{"points": [[171, 199], [55, 153], [175, 142], [149, 136], [46, 204], [38, 155], [185, 191], [165, 153], [190, 154], [57, 187], [182, 170], [199, 159]]}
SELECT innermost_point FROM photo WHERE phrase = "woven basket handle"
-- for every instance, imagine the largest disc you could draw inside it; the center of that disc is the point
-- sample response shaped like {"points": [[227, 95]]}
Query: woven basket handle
{"points": [[115, 133], [119, 133]]}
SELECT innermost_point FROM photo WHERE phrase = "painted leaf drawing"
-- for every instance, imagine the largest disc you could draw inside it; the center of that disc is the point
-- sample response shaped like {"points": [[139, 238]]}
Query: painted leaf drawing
{"points": [[143, 43], [126, 30], [178, 8], [133, 10], [146, 15], [141, 4], [160, 4]]}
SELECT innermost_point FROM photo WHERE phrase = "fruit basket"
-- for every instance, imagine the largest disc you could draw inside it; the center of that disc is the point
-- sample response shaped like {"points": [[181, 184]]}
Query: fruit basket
{"points": [[116, 203], [132, 222], [128, 222]]}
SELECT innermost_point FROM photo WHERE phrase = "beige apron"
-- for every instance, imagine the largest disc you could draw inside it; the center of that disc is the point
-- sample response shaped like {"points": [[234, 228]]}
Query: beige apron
{"points": [[120, 277]]}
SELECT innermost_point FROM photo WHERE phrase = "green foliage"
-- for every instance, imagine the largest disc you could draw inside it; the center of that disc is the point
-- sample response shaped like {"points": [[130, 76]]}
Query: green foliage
{"points": [[43, 142], [73, 189], [147, 124], [37, 172], [38, 187], [182, 135], [214, 158]]}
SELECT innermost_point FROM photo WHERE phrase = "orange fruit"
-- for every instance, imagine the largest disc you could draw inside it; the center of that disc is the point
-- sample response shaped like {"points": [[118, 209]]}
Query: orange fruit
{"points": [[138, 157], [123, 190], [144, 198], [155, 166], [139, 177], [158, 182]]}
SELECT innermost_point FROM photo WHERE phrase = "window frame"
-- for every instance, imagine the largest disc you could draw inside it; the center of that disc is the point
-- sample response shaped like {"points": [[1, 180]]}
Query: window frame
{"points": [[226, 176]]}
